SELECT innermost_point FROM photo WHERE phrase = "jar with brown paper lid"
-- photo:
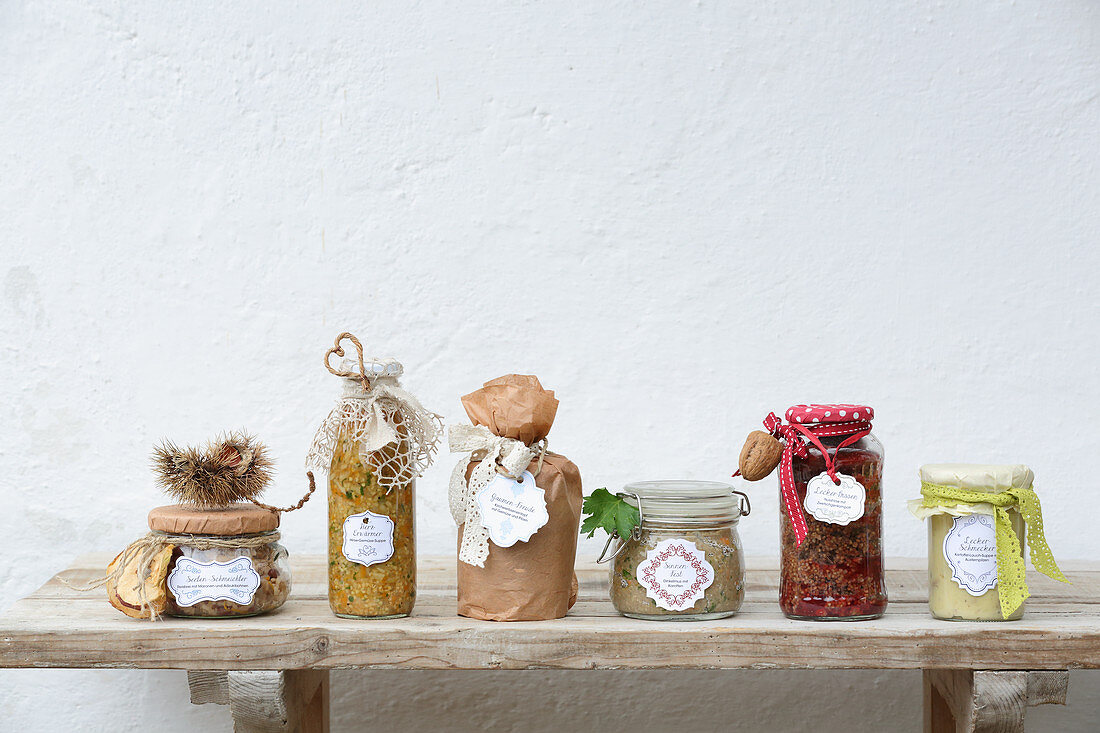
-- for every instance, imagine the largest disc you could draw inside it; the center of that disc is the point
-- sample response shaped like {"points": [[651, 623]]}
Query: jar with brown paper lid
{"points": [[215, 553], [225, 562]]}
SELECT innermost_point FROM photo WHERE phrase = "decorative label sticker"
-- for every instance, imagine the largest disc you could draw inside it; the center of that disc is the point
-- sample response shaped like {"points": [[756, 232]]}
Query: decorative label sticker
{"points": [[828, 502], [970, 549], [368, 538], [675, 573], [191, 582], [512, 510]]}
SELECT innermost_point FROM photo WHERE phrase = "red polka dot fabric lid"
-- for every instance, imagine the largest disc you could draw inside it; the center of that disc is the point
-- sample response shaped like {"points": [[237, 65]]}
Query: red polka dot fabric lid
{"points": [[829, 413]]}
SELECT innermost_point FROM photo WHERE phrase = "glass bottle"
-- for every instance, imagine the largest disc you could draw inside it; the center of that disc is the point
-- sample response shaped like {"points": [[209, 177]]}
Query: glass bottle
{"points": [[372, 538], [374, 443]]}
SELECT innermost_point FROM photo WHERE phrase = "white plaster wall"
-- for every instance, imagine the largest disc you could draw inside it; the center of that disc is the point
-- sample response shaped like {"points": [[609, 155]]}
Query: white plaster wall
{"points": [[680, 215]]}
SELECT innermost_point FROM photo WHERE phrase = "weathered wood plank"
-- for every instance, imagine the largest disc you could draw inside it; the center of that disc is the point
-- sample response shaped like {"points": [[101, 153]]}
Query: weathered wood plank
{"points": [[307, 695], [59, 627], [267, 701], [575, 643], [444, 605], [292, 701], [208, 687], [938, 717], [966, 701], [1047, 688]]}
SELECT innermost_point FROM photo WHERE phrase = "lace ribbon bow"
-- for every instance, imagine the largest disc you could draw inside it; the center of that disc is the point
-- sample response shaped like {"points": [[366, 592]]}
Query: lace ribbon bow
{"points": [[1012, 588], [370, 413], [796, 440], [490, 451]]}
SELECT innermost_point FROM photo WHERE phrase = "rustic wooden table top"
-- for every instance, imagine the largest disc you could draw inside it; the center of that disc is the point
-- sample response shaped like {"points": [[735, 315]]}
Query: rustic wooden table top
{"points": [[60, 627]]}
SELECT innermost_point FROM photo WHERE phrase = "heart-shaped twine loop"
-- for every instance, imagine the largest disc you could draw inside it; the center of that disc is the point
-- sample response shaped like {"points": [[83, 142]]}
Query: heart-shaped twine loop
{"points": [[396, 436]]}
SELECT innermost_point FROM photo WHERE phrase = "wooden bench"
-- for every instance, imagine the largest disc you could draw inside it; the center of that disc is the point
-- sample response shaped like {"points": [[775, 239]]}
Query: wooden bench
{"points": [[272, 671]]}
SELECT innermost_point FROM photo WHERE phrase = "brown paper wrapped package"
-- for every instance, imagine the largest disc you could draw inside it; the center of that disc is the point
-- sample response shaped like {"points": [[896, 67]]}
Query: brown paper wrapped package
{"points": [[533, 580], [513, 406]]}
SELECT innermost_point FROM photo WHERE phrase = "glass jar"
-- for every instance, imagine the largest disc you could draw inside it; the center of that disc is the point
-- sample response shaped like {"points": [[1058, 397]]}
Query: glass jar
{"points": [[684, 561], [962, 541], [836, 572], [372, 540], [374, 444], [225, 563]]}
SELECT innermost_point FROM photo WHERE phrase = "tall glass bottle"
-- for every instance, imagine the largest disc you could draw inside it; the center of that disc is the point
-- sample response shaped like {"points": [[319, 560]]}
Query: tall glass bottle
{"points": [[374, 444]]}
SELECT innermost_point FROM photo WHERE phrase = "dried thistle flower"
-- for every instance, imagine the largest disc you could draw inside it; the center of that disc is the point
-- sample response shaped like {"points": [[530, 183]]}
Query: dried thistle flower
{"points": [[233, 467]]}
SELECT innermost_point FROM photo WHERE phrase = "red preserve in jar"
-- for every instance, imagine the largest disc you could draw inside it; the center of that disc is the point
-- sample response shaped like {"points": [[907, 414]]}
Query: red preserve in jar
{"points": [[830, 478]]}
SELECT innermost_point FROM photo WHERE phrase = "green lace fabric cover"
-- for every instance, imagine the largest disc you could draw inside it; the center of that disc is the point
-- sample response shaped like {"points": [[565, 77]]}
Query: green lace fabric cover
{"points": [[1011, 583]]}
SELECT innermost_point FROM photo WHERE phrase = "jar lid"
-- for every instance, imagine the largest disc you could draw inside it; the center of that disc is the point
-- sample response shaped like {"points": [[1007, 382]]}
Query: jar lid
{"points": [[374, 367], [829, 413], [687, 502], [978, 476], [229, 521]]}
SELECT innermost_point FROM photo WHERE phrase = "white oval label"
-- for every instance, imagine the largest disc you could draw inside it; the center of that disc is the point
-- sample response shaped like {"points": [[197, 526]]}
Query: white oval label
{"points": [[511, 511], [368, 538], [192, 582], [841, 503], [675, 573], [970, 549]]}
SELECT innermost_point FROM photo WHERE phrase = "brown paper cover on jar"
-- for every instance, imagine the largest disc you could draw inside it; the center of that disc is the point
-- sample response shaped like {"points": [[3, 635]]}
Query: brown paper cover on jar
{"points": [[533, 580], [228, 521]]}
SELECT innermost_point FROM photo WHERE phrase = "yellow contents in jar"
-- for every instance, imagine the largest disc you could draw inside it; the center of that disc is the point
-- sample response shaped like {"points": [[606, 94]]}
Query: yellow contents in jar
{"points": [[947, 598], [372, 585]]}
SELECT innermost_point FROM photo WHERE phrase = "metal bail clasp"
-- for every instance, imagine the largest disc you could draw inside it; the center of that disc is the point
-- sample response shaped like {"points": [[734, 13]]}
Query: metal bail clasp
{"points": [[603, 554], [746, 507]]}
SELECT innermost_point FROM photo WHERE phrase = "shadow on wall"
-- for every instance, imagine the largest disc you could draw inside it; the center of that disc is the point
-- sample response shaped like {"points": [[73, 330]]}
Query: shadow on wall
{"points": [[659, 701]]}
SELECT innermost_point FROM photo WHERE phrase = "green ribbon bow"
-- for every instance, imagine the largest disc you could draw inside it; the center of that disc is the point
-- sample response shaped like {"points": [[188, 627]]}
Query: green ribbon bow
{"points": [[1011, 583]]}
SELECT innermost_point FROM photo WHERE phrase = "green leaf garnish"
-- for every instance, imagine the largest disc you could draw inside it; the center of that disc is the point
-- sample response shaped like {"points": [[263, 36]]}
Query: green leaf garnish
{"points": [[608, 512]]}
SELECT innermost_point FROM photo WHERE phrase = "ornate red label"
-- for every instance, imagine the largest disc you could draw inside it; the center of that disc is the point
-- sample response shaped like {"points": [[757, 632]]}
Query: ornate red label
{"points": [[675, 574]]}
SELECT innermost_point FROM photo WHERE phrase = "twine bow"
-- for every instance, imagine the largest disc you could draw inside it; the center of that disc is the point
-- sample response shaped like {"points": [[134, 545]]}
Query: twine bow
{"points": [[375, 412], [141, 551], [796, 440], [1012, 588], [494, 454]]}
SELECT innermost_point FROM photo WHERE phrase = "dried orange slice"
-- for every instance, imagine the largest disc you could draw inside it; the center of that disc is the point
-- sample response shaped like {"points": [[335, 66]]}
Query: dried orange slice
{"points": [[135, 593]]}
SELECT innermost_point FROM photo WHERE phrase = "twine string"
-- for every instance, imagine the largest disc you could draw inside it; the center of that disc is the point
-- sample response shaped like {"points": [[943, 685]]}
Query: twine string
{"points": [[299, 505], [338, 350]]}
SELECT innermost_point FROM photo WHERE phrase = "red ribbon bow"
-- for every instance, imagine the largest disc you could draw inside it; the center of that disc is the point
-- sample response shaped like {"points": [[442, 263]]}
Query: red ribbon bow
{"points": [[795, 439]]}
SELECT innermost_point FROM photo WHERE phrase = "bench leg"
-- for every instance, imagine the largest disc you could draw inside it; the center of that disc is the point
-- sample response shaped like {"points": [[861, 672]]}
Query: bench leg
{"points": [[292, 701], [965, 701]]}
